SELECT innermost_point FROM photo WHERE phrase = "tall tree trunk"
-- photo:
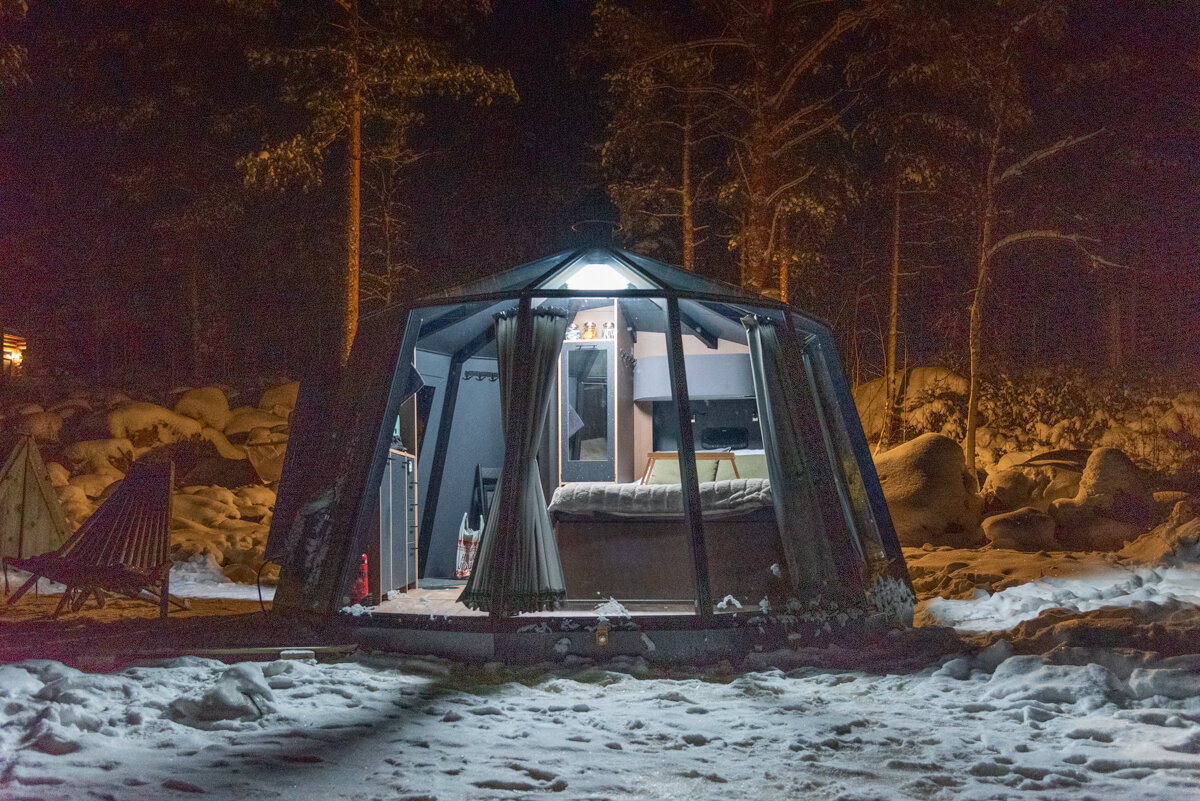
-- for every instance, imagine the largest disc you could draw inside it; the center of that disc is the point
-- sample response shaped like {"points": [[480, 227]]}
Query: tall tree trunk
{"points": [[756, 231], [196, 325], [1113, 333], [353, 186], [975, 339], [686, 200], [1133, 320], [889, 419]]}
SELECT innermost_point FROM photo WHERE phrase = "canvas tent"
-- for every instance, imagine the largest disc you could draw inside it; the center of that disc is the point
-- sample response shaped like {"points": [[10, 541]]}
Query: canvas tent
{"points": [[31, 519], [655, 439]]}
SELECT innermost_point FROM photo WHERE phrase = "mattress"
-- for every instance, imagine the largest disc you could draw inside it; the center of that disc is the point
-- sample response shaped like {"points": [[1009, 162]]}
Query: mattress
{"points": [[718, 499]]}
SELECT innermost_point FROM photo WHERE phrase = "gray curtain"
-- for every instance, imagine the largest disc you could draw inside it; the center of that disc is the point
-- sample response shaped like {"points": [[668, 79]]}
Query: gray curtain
{"points": [[517, 568], [806, 542]]}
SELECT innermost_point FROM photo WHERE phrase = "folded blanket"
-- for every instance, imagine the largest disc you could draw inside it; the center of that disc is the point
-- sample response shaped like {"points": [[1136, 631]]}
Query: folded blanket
{"points": [[717, 498]]}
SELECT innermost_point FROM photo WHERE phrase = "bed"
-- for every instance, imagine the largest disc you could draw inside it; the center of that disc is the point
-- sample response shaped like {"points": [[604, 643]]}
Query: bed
{"points": [[631, 542]]}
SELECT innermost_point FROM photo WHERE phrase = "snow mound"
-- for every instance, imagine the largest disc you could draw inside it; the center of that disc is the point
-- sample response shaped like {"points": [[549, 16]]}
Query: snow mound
{"points": [[1030, 678], [1035, 486], [280, 400], [930, 492], [240, 694], [148, 424], [1174, 543], [1112, 507], [57, 473], [206, 506], [76, 505], [245, 418], [1025, 529], [93, 485], [225, 449], [99, 455], [207, 405]]}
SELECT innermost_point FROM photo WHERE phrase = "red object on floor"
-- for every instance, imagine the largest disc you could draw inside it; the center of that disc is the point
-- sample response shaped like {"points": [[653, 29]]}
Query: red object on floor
{"points": [[361, 587]]}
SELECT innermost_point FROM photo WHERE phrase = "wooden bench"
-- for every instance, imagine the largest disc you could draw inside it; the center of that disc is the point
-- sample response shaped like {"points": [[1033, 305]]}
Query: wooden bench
{"points": [[121, 549]]}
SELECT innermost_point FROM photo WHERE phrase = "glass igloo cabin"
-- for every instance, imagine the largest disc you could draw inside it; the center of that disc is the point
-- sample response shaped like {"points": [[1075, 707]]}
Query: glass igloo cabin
{"points": [[594, 452]]}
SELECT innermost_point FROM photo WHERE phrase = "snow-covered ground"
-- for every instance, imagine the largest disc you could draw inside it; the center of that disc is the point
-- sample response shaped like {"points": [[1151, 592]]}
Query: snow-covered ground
{"points": [[201, 577], [1115, 586], [1074, 723], [973, 728]]}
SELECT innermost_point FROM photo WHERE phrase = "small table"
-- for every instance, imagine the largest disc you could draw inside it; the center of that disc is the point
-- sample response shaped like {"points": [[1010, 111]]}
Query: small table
{"points": [[701, 456]]}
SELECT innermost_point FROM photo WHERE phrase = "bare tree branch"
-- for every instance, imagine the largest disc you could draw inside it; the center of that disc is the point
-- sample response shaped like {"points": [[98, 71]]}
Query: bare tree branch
{"points": [[1016, 170], [845, 22], [1078, 240]]}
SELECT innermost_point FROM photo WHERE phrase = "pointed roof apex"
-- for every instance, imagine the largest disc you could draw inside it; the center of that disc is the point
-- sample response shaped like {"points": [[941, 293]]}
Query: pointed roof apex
{"points": [[604, 270]]}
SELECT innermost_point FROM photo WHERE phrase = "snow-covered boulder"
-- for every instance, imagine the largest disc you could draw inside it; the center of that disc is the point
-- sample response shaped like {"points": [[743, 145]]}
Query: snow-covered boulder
{"points": [[225, 449], [1165, 501], [75, 503], [148, 424], [207, 405], [280, 400], [93, 484], [57, 473], [1025, 529], [99, 455], [254, 495], [1175, 542], [206, 506], [245, 418], [1033, 485], [930, 492], [1113, 505], [42, 426]]}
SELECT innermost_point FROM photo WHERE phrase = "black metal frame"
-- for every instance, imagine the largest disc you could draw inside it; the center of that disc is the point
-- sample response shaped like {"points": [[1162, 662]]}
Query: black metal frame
{"points": [[676, 322]]}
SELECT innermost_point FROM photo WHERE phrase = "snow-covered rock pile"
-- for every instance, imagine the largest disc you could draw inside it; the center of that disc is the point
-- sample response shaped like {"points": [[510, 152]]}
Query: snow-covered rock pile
{"points": [[1158, 426], [1074, 723], [227, 462], [931, 494]]}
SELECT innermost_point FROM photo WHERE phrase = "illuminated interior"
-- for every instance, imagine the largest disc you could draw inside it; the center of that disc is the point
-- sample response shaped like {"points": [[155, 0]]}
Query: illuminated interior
{"points": [[651, 457]]}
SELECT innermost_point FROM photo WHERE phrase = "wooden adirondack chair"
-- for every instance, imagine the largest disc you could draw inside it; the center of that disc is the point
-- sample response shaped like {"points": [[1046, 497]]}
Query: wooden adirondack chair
{"points": [[121, 549]]}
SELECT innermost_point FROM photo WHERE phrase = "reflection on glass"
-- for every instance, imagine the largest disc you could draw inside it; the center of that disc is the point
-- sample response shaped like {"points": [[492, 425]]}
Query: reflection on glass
{"points": [[587, 376]]}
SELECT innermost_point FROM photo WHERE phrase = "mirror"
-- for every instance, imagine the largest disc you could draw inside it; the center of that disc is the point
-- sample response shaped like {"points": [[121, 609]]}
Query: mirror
{"points": [[587, 405]]}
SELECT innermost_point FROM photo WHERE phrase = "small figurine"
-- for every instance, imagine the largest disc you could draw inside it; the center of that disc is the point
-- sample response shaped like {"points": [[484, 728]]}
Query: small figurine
{"points": [[572, 332], [589, 330], [610, 330]]}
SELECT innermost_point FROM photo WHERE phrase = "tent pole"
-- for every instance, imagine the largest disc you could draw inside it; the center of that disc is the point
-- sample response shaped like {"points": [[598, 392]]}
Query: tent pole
{"points": [[687, 459]]}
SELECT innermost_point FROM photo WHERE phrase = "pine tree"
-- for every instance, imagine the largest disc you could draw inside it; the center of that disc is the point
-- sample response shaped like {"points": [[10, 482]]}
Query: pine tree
{"points": [[359, 71]]}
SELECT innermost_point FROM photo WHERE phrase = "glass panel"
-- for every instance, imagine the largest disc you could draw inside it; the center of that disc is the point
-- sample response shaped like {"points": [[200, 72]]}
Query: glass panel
{"points": [[747, 564], [459, 437], [597, 271], [587, 404], [621, 537], [847, 471]]}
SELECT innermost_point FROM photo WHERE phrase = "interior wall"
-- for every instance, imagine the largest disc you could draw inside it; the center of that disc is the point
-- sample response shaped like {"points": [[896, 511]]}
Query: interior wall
{"points": [[476, 437], [651, 343]]}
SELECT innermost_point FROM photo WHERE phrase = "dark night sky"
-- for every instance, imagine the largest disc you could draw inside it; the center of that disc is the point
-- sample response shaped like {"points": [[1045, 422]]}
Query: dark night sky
{"points": [[503, 185]]}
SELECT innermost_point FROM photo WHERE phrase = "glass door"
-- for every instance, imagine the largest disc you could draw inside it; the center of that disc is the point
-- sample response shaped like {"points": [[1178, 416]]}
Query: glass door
{"points": [[587, 373]]}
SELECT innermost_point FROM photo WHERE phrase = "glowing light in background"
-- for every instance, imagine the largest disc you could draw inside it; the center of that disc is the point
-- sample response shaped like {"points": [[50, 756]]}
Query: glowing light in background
{"points": [[597, 277]]}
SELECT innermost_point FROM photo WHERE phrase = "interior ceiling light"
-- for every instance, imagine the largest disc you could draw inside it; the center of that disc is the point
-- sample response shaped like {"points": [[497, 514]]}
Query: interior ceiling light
{"points": [[597, 276]]}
